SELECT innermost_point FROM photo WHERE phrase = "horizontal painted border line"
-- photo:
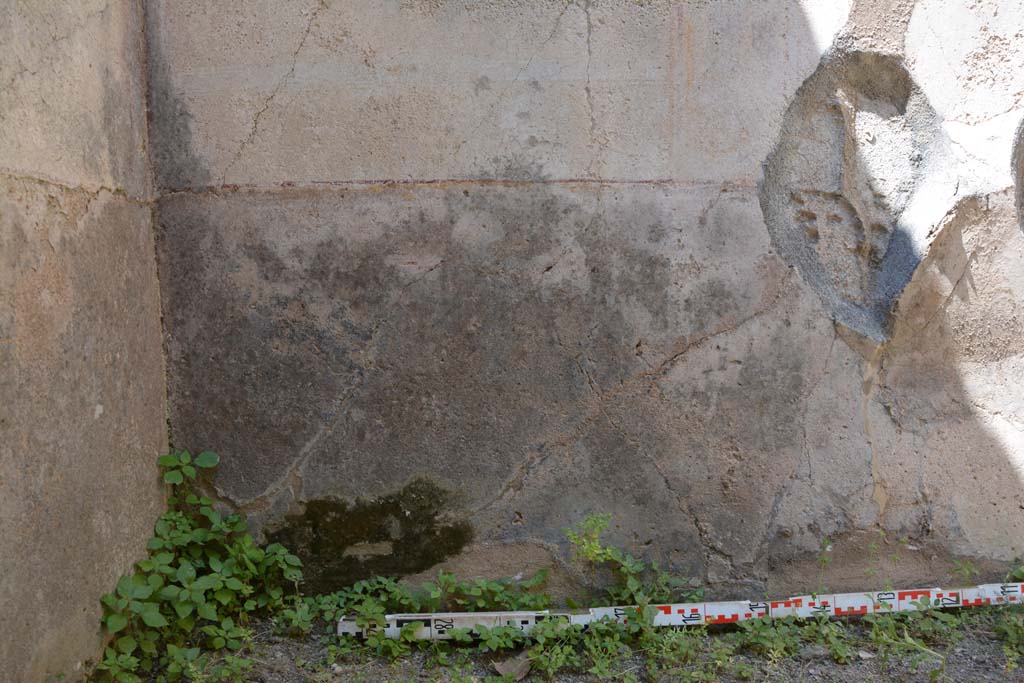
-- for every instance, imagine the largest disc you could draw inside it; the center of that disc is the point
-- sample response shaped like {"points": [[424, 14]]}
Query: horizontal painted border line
{"points": [[229, 188]]}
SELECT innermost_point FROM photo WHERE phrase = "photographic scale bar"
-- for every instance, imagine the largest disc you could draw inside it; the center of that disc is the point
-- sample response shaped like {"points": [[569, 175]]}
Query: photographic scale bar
{"points": [[438, 626]]}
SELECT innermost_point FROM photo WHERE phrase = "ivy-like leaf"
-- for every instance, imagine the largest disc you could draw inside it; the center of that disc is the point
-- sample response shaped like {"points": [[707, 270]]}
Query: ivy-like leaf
{"points": [[173, 477]]}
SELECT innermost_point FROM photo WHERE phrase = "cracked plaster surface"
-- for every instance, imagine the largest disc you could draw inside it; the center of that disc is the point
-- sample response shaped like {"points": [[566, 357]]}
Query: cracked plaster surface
{"points": [[540, 275]]}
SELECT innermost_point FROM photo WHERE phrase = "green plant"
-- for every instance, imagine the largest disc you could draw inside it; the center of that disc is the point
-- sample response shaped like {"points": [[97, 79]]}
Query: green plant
{"points": [[771, 638], [555, 647], [965, 569], [912, 635], [298, 618], [498, 638], [451, 594], [635, 581], [203, 579], [603, 644], [1010, 629], [671, 651], [823, 562], [830, 634]]}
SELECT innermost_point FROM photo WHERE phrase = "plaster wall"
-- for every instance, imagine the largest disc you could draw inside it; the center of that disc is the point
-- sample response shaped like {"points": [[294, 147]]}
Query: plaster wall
{"points": [[82, 388], [746, 275]]}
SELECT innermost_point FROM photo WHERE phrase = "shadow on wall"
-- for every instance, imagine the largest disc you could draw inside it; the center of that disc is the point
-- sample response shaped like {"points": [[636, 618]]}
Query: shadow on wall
{"points": [[176, 165], [549, 349]]}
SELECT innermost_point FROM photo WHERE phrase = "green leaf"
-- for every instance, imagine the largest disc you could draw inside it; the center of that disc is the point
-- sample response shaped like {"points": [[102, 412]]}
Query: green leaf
{"points": [[116, 622], [161, 559], [173, 477], [207, 611], [169, 460], [189, 471], [207, 459], [183, 609], [218, 643], [152, 617], [185, 457], [126, 644], [142, 591], [186, 572], [211, 514], [206, 582], [125, 587], [224, 596], [169, 592]]}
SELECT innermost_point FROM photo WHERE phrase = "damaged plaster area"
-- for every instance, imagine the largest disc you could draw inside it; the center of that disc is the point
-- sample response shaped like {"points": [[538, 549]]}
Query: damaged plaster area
{"points": [[741, 298], [860, 175], [517, 342]]}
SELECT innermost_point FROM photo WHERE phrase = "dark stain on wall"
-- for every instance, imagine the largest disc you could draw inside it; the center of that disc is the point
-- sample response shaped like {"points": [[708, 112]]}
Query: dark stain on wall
{"points": [[392, 535]]}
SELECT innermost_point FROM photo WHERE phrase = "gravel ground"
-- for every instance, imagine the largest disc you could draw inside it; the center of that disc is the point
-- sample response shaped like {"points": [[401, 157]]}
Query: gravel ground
{"points": [[976, 657]]}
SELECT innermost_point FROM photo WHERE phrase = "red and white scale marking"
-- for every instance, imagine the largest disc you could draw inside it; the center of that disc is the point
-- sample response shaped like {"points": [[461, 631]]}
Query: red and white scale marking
{"points": [[438, 626]]}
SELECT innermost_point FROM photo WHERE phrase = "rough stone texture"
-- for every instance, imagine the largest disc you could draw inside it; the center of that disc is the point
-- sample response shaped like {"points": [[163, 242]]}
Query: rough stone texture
{"points": [[82, 389], [743, 275], [72, 92]]}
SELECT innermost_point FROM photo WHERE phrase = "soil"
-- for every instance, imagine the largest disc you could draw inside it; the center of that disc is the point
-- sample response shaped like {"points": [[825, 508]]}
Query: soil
{"points": [[977, 657]]}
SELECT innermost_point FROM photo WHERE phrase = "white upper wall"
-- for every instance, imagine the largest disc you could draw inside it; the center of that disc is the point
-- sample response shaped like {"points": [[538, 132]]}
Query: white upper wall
{"points": [[382, 89]]}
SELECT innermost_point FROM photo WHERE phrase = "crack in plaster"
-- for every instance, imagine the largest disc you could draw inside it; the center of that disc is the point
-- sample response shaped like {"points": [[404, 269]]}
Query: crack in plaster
{"points": [[289, 75], [534, 460], [807, 397], [515, 79], [92, 191]]}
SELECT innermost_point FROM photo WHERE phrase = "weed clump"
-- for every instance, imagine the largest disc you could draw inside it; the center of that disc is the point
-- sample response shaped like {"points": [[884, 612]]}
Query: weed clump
{"points": [[185, 610]]}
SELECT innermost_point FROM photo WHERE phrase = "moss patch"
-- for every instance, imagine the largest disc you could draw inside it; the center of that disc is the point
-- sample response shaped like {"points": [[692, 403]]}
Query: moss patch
{"points": [[393, 535]]}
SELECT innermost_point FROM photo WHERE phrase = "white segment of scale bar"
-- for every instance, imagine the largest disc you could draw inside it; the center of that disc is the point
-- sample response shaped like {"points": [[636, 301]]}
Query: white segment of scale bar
{"points": [[438, 626]]}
